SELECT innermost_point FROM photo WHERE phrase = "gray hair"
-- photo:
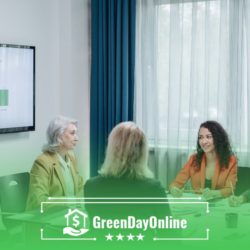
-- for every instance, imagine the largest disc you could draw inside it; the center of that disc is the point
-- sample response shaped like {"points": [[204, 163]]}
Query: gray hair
{"points": [[127, 153], [56, 128]]}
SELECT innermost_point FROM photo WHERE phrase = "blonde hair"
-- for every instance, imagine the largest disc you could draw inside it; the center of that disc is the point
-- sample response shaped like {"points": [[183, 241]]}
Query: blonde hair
{"points": [[127, 153]]}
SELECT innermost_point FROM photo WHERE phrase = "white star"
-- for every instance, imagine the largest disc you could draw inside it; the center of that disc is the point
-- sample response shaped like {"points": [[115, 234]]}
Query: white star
{"points": [[140, 236], [130, 237], [109, 237], [119, 237]]}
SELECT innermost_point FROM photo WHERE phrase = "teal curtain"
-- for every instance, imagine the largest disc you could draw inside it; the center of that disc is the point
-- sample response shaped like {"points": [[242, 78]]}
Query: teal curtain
{"points": [[112, 71]]}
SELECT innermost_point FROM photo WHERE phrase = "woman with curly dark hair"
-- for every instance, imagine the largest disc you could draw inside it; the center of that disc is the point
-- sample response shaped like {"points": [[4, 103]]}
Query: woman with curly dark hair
{"points": [[213, 169]]}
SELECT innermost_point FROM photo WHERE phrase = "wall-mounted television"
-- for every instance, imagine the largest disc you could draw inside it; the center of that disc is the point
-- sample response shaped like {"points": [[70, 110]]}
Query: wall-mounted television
{"points": [[17, 88]]}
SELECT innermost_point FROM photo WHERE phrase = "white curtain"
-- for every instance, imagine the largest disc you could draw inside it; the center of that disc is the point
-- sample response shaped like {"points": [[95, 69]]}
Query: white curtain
{"points": [[192, 65]]}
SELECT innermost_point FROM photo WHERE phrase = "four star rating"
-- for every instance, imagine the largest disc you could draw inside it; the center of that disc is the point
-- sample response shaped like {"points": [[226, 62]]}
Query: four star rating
{"points": [[120, 237]]}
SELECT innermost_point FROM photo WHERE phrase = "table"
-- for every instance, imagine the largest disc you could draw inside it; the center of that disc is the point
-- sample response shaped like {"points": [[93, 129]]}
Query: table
{"points": [[209, 221]]}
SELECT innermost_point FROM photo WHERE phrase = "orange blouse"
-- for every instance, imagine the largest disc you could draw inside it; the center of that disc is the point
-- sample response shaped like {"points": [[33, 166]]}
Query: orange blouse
{"points": [[224, 179]]}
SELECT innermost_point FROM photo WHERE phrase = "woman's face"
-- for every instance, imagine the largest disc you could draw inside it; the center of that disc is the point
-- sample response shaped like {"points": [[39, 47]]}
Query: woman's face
{"points": [[69, 138], [206, 140]]}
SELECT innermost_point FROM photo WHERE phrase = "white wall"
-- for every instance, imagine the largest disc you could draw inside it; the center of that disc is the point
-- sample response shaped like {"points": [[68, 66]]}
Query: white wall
{"points": [[60, 31]]}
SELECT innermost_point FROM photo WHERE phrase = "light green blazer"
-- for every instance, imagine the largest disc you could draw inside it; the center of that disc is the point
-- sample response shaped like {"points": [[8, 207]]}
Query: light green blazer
{"points": [[46, 179]]}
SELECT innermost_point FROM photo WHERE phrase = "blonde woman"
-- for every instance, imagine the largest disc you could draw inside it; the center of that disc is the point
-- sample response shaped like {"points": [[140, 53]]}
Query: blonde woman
{"points": [[124, 173]]}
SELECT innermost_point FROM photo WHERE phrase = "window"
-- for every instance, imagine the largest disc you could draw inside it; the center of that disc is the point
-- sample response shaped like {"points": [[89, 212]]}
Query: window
{"points": [[192, 65]]}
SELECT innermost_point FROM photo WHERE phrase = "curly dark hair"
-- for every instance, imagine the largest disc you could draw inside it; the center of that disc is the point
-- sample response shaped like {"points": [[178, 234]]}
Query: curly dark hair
{"points": [[221, 143]]}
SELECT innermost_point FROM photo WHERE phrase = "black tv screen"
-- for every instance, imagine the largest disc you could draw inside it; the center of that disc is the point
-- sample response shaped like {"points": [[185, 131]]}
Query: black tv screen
{"points": [[17, 88]]}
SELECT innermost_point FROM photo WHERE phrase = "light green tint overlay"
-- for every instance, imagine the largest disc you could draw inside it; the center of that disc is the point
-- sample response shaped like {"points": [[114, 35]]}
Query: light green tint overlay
{"points": [[209, 226]]}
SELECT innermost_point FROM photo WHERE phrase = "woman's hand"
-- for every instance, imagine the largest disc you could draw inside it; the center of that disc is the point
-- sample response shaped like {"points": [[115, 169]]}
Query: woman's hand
{"points": [[209, 194], [235, 201], [176, 192]]}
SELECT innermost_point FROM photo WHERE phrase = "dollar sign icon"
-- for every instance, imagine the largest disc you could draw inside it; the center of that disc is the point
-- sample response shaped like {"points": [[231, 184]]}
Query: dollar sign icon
{"points": [[76, 221]]}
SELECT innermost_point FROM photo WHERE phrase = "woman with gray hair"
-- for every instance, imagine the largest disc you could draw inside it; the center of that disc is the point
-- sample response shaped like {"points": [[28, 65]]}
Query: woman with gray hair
{"points": [[124, 174], [54, 173]]}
